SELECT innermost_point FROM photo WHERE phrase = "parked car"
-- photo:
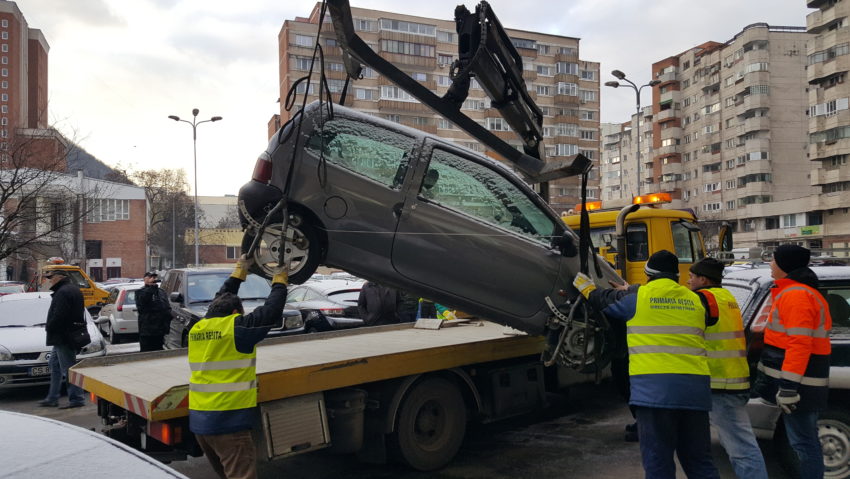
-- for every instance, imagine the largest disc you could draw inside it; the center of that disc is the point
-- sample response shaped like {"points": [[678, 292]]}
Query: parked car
{"points": [[119, 318], [191, 290], [9, 287], [327, 305], [23, 353], [410, 210], [752, 290]]}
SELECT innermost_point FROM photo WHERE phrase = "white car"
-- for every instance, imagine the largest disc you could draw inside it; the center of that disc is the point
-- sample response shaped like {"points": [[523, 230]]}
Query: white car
{"points": [[23, 350]]}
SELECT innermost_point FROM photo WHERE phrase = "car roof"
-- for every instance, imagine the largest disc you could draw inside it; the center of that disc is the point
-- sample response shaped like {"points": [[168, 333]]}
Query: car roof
{"points": [[326, 286], [762, 275], [25, 296], [123, 286]]}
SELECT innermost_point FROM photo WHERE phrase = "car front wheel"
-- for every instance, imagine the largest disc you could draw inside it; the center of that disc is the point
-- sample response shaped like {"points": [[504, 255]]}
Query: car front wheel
{"points": [[834, 435], [302, 250]]}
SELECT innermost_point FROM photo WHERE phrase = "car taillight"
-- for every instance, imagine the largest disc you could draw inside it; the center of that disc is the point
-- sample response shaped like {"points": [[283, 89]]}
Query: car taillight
{"points": [[333, 311], [119, 303], [262, 169], [761, 319]]}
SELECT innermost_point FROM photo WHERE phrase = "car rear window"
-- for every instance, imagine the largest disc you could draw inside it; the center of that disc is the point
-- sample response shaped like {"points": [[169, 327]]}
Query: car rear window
{"points": [[12, 288], [203, 287], [743, 292]]}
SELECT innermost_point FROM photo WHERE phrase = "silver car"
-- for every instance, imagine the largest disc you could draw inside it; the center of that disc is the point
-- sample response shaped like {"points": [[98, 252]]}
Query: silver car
{"points": [[119, 317], [23, 352]]}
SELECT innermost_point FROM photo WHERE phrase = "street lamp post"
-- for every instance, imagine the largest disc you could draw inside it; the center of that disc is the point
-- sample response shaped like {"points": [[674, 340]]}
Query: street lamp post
{"points": [[613, 84], [195, 124]]}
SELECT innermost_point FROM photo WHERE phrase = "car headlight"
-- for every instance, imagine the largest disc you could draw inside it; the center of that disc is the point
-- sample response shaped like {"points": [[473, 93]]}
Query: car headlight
{"points": [[5, 354], [93, 347], [293, 322]]}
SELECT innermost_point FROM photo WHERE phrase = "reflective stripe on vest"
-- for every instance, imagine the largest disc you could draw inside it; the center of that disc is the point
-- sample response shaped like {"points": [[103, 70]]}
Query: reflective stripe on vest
{"points": [[775, 323], [804, 380], [666, 334], [725, 343], [223, 379]]}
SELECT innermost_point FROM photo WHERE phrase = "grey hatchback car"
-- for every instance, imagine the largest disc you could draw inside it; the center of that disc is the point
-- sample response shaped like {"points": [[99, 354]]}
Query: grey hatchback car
{"points": [[407, 209]]}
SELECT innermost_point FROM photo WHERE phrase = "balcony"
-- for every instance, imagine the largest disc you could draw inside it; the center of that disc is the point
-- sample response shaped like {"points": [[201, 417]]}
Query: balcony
{"points": [[755, 188], [829, 148], [667, 150], [566, 78], [667, 114], [756, 101], [819, 18], [431, 128], [757, 144], [563, 57], [756, 78], [672, 132], [829, 201], [567, 101], [828, 122], [671, 169], [674, 96], [756, 123], [822, 176], [821, 70], [427, 63], [667, 77], [402, 106]]}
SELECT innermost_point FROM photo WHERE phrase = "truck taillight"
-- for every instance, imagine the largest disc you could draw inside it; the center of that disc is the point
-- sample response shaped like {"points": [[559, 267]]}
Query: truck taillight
{"points": [[165, 433], [262, 169]]}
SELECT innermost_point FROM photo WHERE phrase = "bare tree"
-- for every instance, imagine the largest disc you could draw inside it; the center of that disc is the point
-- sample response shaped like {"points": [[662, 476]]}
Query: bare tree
{"points": [[170, 208], [41, 206]]}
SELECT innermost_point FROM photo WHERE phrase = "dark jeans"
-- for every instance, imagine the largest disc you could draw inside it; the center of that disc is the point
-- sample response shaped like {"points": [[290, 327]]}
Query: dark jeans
{"points": [[150, 343], [685, 432], [63, 357], [802, 430]]}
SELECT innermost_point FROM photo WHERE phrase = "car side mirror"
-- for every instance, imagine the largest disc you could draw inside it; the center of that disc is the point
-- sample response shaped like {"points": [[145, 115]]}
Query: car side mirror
{"points": [[176, 297], [565, 245]]}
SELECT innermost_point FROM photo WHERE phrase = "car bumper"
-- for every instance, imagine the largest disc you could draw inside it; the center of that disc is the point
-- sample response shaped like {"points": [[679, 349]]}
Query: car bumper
{"points": [[19, 374], [126, 326]]}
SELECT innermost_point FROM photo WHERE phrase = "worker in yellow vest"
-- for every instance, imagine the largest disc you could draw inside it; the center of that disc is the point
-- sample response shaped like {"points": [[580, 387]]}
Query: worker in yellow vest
{"points": [[730, 373], [668, 369], [223, 385]]}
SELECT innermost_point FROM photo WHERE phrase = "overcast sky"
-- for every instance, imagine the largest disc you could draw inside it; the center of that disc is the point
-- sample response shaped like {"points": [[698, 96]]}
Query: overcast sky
{"points": [[118, 68]]}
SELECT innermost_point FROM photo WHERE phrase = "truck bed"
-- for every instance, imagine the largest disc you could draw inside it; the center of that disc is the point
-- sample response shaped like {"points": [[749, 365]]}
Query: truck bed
{"points": [[156, 385]]}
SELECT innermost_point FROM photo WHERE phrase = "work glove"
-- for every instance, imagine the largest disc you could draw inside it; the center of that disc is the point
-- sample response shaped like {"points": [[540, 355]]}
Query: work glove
{"points": [[281, 277], [787, 399], [243, 264], [584, 284]]}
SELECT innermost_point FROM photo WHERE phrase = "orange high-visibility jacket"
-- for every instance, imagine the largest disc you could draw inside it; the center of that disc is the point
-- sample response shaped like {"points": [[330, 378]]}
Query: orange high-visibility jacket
{"points": [[799, 325]]}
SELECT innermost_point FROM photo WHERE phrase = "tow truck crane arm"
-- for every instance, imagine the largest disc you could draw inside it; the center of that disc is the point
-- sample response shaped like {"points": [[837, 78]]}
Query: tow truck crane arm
{"points": [[486, 53]]}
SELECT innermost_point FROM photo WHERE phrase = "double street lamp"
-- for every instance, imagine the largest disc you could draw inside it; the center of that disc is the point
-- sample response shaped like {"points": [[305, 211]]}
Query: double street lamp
{"points": [[614, 84], [195, 124]]}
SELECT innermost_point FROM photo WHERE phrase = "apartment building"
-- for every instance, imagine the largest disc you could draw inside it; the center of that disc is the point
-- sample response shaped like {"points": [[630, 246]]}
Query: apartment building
{"points": [[565, 87], [728, 136], [829, 119], [619, 161]]}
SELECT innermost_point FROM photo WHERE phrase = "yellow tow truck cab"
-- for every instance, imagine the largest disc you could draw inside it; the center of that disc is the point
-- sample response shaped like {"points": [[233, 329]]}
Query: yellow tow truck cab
{"points": [[92, 295], [647, 228]]}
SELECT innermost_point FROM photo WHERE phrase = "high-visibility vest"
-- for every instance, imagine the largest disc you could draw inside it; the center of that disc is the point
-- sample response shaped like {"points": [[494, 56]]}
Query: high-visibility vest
{"points": [[223, 379], [799, 316], [725, 343], [666, 335]]}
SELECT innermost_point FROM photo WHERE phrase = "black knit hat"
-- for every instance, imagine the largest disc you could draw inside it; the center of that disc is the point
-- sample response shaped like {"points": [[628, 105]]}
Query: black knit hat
{"points": [[711, 268], [790, 257], [662, 262]]}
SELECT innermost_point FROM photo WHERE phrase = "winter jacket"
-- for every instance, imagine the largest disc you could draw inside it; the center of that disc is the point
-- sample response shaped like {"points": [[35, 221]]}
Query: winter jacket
{"points": [[154, 311], [66, 311], [378, 304]]}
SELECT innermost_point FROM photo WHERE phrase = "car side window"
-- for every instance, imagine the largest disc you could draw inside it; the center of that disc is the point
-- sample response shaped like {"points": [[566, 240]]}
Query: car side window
{"points": [[373, 152], [474, 189], [296, 295], [310, 295], [130, 297], [78, 279], [112, 297], [838, 300], [682, 243], [637, 242]]}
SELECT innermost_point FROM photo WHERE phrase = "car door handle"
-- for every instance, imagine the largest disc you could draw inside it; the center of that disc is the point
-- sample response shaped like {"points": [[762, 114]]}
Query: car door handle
{"points": [[397, 209]]}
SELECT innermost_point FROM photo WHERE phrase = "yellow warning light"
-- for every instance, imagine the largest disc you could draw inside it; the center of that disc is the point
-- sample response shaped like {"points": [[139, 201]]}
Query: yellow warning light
{"points": [[590, 206], [652, 199]]}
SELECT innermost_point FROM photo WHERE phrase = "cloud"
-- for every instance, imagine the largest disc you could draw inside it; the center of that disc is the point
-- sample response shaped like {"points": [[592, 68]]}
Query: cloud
{"points": [[87, 12]]}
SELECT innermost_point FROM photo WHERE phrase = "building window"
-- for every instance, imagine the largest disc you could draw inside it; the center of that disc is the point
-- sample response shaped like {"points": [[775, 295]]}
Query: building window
{"points": [[447, 37], [544, 70], [587, 95], [4, 121], [4, 72], [444, 59], [56, 216], [497, 124], [443, 124], [303, 40], [542, 49], [4, 35], [408, 48], [302, 87], [330, 42], [566, 67], [303, 63], [588, 75], [587, 134], [587, 115], [4, 48], [389, 92], [789, 221], [232, 252], [4, 60], [567, 88], [108, 210], [4, 84], [364, 94], [4, 23], [365, 25], [543, 90], [4, 109], [408, 27]]}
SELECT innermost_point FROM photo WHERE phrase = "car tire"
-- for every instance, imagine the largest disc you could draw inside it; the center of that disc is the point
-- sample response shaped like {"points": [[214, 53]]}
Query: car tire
{"points": [[305, 249], [834, 435], [430, 425], [113, 337]]}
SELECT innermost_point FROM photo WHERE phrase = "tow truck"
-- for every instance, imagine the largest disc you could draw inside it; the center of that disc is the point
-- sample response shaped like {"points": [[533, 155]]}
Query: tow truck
{"points": [[626, 237], [93, 296], [406, 390]]}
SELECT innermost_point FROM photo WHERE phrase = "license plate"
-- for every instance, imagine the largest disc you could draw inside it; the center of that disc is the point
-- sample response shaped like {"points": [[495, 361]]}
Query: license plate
{"points": [[39, 371]]}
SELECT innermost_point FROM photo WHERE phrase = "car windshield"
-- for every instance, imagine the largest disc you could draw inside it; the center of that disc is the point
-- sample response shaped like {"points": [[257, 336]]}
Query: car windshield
{"points": [[202, 287], [27, 312]]}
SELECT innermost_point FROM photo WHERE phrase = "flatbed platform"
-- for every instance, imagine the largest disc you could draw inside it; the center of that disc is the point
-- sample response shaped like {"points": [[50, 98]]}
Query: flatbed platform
{"points": [[156, 385]]}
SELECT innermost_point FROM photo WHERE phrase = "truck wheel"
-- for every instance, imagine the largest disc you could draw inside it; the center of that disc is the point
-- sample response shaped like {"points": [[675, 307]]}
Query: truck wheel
{"points": [[431, 424], [834, 435], [304, 249]]}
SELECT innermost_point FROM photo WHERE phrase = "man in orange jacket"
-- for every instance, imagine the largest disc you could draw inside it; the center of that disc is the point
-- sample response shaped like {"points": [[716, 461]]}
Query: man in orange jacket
{"points": [[794, 366]]}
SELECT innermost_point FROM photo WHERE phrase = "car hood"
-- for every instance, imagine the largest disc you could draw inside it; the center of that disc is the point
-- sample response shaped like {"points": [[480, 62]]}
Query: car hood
{"points": [[24, 340]]}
